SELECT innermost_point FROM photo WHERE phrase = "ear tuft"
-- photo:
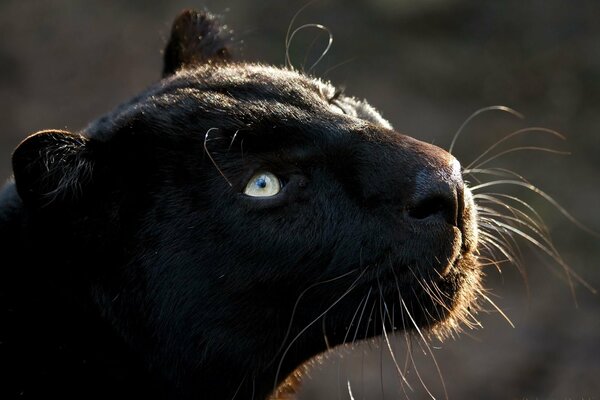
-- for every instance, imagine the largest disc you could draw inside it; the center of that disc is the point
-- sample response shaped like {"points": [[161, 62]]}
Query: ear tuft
{"points": [[51, 167], [196, 38]]}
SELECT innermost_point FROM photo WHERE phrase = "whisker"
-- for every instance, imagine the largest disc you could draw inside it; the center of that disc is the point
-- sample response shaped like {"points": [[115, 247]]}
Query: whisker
{"points": [[211, 157], [380, 343], [513, 134], [369, 320], [336, 66], [293, 314], [426, 288], [324, 330], [233, 139], [492, 217], [534, 221], [350, 391], [520, 148], [479, 112], [552, 252], [352, 286], [288, 62], [493, 242], [435, 297], [492, 231], [496, 171], [239, 387], [544, 195], [428, 347], [480, 292], [325, 51], [354, 316], [492, 262], [309, 49], [387, 339], [534, 214], [505, 236], [361, 315], [409, 355]]}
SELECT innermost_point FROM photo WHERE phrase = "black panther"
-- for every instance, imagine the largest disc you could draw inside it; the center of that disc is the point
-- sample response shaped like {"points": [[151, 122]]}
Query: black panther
{"points": [[211, 235]]}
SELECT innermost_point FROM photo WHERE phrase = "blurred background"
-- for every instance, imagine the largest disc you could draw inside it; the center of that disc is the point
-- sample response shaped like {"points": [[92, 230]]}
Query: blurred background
{"points": [[427, 65]]}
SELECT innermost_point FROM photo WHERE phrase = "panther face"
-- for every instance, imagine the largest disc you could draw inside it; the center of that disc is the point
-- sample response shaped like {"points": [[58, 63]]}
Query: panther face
{"points": [[235, 220]]}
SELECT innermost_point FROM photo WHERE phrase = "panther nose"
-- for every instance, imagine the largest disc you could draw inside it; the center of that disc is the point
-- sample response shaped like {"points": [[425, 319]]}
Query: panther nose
{"points": [[438, 194]]}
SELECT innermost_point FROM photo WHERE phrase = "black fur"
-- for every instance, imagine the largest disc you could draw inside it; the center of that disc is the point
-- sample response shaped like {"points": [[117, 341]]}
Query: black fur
{"points": [[135, 267]]}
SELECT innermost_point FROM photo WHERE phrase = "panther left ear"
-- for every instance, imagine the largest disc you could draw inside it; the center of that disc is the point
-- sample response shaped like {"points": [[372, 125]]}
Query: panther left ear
{"points": [[196, 38], [52, 167]]}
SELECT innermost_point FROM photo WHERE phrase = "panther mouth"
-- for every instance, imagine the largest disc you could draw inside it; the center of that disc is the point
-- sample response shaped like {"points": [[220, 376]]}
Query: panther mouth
{"points": [[440, 296], [440, 242]]}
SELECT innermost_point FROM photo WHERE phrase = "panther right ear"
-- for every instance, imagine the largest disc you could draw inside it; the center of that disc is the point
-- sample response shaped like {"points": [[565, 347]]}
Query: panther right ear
{"points": [[196, 38], [52, 167]]}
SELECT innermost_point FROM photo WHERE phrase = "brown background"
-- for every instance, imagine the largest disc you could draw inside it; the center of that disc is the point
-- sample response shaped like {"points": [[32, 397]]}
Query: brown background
{"points": [[426, 65]]}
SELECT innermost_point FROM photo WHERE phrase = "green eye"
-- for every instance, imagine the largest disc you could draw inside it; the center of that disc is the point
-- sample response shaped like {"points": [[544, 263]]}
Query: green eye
{"points": [[263, 184]]}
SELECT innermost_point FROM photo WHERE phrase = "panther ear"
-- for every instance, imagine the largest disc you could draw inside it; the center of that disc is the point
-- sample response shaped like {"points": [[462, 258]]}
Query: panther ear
{"points": [[52, 167], [196, 38]]}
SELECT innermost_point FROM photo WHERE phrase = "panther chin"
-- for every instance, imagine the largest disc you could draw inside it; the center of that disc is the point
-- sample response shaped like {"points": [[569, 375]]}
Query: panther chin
{"points": [[460, 301]]}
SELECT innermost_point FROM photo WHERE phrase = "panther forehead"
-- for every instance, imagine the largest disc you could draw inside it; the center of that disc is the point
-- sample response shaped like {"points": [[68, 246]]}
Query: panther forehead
{"points": [[243, 92], [269, 78], [286, 85]]}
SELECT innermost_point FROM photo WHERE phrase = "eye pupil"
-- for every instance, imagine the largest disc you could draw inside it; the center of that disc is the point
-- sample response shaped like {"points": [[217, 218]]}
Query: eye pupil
{"points": [[261, 182]]}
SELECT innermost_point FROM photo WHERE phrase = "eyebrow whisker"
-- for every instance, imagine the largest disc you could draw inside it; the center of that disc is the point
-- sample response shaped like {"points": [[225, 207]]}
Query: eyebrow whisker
{"points": [[211, 157]]}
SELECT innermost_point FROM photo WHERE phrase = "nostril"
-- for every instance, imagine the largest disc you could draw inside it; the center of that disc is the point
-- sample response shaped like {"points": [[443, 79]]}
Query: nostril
{"points": [[438, 194], [435, 205]]}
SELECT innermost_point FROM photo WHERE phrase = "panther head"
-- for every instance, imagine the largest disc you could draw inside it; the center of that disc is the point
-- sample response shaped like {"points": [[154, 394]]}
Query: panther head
{"points": [[234, 220]]}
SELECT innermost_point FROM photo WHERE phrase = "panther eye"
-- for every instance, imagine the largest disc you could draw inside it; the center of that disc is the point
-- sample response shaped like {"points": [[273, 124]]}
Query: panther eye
{"points": [[263, 184]]}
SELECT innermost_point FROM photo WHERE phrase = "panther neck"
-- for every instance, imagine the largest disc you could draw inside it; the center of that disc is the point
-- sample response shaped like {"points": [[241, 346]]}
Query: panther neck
{"points": [[51, 339]]}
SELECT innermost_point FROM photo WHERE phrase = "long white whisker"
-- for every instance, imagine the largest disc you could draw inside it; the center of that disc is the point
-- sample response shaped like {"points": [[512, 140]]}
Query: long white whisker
{"points": [[496, 171], [361, 315], [493, 216], [513, 134], [428, 348], [387, 341], [534, 220], [544, 195], [475, 114], [327, 48], [551, 251], [288, 40], [494, 242], [355, 314], [330, 69], [211, 157], [505, 237], [300, 296], [496, 307], [352, 286], [534, 214], [520, 148]]}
